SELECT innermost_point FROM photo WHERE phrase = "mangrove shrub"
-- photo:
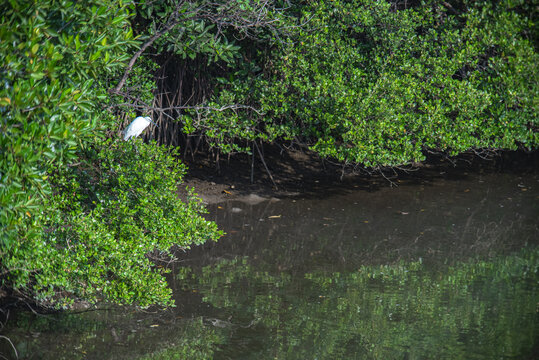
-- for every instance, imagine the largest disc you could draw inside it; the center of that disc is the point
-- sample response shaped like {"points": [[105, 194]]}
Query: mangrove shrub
{"points": [[79, 214], [371, 83]]}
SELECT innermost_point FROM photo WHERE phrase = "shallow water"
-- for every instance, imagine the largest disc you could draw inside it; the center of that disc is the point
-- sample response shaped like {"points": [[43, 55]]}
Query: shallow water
{"points": [[442, 270]]}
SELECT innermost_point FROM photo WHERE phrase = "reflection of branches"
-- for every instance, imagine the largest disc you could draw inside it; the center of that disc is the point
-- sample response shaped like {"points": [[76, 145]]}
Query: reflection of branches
{"points": [[493, 236], [12, 346], [2, 324], [469, 220], [227, 324]]}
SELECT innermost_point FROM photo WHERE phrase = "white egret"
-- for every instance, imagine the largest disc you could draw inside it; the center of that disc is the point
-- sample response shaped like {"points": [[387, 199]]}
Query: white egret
{"points": [[137, 126]]}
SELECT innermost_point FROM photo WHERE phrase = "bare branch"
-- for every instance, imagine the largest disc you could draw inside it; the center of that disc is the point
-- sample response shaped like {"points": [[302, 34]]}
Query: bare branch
{"points": [[264, 163], [142, 106], [171, 23]]}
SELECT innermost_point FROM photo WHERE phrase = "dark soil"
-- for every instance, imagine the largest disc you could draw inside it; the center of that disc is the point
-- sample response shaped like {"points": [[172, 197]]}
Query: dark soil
{"points": [[303, 173]]}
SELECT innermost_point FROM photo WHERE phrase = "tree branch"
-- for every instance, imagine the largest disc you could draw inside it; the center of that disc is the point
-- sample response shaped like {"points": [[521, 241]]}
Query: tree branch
{"points": [[173, 21]]}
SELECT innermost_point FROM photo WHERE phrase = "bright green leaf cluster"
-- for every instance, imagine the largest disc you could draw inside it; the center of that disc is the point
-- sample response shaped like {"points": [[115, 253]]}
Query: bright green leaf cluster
{"points": [[81, 217], [362, 82], [54, 55], [105, 216]]}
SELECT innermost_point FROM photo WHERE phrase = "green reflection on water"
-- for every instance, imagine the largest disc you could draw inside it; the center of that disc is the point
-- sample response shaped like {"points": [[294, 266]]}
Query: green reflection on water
{"points": [[110, 335], [473, 310], [479, 309]]}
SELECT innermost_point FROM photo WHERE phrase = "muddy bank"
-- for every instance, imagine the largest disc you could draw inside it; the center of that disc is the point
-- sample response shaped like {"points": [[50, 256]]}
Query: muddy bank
{"points": [[303, 174]]}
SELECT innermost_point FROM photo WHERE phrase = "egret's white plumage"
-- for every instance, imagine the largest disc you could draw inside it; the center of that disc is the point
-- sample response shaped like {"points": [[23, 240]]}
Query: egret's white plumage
{"points": [[137, 126]]}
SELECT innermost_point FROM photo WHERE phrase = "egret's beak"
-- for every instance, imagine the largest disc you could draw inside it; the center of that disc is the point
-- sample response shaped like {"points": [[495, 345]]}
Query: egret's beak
{"points": [[150, 120]]}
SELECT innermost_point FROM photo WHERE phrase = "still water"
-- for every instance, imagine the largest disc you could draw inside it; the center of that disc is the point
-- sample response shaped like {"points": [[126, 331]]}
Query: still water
{"points": [[445, 269]]}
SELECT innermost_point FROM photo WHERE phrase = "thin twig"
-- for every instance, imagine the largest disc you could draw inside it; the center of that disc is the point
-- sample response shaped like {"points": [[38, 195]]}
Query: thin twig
{"points": [[13, 346], [173, 21], [266, 166]]}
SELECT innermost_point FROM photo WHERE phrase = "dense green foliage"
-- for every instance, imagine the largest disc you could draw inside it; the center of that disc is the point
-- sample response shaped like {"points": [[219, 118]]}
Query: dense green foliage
{"points": [[80, 214], [53, 56], [105, 216], [364, 83]]}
